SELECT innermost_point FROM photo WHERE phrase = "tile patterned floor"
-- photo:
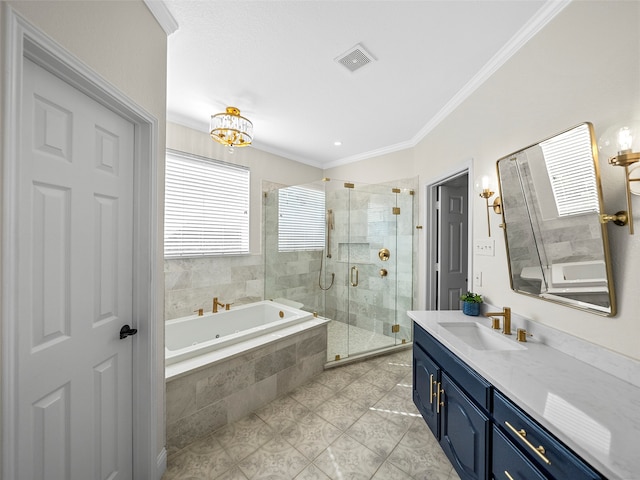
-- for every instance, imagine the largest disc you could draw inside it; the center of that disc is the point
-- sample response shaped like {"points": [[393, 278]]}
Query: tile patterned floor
{"points": [[351, 422]]}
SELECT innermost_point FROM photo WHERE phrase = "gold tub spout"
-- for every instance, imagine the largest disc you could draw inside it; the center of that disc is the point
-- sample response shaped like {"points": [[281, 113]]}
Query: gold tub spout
{"points": [[506, 313], [217, 304]]}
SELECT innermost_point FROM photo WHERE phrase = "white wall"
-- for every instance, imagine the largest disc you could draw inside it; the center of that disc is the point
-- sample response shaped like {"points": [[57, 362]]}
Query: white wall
{"points": [[123, 43], [583, 66]]}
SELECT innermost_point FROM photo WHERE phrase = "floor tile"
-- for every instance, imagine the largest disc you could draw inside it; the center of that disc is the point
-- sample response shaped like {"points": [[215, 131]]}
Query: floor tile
{"points": [[376, 433], [276, 459], [355, 421], [312, 473], [388, 471], [244, 437], [204, 459], [386, 379], [336, 378], [234, 474], [398, 410], [311, 435], [282, 413], [341, 411], [363, 392], [419, 454], [347, 459], [311, 394]]}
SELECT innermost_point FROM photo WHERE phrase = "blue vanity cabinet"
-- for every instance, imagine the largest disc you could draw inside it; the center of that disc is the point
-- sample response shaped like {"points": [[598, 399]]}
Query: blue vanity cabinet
{"points": [[483, 433], [426, 378], [508, 461], [454, 402], [543, 450], [464, 432]]}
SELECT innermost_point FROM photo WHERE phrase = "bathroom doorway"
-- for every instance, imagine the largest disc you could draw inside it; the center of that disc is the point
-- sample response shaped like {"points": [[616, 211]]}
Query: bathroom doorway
{"points": [[448, 240]]}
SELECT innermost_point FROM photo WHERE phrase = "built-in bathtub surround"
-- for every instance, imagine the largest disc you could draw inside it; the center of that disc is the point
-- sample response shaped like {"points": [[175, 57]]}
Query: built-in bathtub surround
{"points": [[191, 283], [202, 400]]}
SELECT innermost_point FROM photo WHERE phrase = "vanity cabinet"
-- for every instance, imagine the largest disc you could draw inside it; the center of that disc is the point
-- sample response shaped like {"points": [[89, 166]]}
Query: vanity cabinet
{"points": [[458, 418], [544, 451], [426, 375], [483, 433]]}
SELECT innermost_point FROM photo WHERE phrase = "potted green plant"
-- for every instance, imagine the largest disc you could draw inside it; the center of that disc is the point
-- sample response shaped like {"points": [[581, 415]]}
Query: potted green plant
{"points": [[471, 303]]}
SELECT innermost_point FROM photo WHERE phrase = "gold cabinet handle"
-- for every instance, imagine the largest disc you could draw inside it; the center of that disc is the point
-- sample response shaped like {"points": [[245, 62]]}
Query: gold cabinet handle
{"points": [[508, 476], [540, 451], [439, 400], [431, 389]]}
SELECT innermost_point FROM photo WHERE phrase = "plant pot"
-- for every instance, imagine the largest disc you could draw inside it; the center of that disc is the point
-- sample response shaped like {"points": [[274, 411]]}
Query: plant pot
{"points": [[469, 308]]}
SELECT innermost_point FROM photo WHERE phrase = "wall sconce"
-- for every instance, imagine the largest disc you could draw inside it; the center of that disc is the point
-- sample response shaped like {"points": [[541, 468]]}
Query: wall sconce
{"points": [[483, 188], [621, 144]]}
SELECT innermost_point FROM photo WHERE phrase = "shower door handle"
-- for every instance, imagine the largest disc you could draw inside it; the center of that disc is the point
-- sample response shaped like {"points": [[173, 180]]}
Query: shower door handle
{"points": [[354, 270]]}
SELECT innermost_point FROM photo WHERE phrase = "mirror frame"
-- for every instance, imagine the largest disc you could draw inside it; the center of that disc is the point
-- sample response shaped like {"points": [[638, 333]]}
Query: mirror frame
{"points": [[583, 306]]}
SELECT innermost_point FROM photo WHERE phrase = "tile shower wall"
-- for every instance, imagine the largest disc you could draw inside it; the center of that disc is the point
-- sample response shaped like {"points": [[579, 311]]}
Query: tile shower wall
{"points": [[207, 399], [191, 283]]}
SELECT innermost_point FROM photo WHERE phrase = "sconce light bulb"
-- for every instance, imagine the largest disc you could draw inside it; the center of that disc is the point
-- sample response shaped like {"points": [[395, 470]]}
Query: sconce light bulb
{"points": [[625, 139], [482, 187]]}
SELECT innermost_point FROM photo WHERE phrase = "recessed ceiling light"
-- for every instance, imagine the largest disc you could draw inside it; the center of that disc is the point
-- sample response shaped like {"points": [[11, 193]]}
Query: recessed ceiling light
{"points": [[337, 143]]}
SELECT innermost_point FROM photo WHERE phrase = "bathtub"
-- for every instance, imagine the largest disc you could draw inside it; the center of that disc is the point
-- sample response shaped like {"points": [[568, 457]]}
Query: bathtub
{"points": [[575, 277], [222, 366], [195, 336]]}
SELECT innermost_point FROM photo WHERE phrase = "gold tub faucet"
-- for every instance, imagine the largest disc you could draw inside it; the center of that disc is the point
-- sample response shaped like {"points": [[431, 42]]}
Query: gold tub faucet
{"points": [[217, 304], [506, 313]]}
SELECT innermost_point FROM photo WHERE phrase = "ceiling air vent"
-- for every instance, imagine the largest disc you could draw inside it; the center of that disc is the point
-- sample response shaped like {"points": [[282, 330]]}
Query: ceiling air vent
{"points": [[355, 58]]}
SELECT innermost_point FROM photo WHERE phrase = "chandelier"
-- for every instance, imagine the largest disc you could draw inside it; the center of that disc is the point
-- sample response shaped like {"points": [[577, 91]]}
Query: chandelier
{"points": [[231, 129]]}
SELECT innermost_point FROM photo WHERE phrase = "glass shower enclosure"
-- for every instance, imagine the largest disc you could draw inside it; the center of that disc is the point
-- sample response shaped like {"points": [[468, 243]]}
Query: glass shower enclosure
{"points": [[347, 253]]}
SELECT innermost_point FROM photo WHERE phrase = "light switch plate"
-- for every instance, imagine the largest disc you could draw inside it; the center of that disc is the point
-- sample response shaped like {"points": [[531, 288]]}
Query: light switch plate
{"points": [[484, 247], [477, 279]]}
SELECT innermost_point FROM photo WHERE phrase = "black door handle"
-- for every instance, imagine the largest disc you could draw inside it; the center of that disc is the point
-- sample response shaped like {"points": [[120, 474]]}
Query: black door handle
{"points": [[127, 331]]}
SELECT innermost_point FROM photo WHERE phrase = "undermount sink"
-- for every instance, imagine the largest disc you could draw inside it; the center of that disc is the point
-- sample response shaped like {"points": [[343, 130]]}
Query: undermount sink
{"points": [[481, 338]]}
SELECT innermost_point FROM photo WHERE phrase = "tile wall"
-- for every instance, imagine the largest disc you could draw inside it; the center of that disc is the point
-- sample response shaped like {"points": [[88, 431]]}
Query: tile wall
{"points": [[209, 398]]}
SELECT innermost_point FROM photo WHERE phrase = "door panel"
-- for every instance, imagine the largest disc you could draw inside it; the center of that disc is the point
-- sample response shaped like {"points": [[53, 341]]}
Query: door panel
{"points": [[453, 246], [426, 378], [465, 432], [74, 374]]}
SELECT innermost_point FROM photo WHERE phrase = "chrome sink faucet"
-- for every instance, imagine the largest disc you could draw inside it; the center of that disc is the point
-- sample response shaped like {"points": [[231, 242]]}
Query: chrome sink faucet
{"points": [[506, 313]]}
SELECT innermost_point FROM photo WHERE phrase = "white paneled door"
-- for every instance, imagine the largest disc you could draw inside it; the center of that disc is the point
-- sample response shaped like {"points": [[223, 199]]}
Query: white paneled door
{"points": [[75, 226]]}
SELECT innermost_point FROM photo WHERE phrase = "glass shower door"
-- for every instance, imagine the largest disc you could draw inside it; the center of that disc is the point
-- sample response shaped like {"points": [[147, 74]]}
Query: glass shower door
{"points": [[371, 276]]}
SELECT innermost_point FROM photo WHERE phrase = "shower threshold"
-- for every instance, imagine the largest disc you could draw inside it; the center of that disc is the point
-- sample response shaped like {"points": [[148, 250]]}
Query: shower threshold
{"points": [[343, 338]]}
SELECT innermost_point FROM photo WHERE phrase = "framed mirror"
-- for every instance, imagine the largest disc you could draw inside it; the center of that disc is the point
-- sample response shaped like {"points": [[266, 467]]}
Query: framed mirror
{"points": [[557, 248]]}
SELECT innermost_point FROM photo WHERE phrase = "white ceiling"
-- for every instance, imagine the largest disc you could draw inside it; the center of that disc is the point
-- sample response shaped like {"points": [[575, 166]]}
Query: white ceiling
{"points": [[275, 61]]}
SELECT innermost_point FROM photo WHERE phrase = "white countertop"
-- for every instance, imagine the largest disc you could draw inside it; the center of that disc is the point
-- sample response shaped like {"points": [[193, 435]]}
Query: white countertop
{"points": [[593, 412]]}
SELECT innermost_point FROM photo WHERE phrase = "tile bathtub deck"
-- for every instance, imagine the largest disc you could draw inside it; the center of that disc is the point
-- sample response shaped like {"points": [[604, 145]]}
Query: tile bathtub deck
{"points": [[352, 422]]}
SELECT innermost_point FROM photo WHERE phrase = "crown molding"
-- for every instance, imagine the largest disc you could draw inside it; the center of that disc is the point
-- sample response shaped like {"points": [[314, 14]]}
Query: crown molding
{"points": [[163, 16], [546, 13]]}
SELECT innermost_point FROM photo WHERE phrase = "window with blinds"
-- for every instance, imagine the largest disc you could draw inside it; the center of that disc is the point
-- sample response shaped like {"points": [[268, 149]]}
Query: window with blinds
{"points": [[206, 207], [301, 219], [570, 164]]}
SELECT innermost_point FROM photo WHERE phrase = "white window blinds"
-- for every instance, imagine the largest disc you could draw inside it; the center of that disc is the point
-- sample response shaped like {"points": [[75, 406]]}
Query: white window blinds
{"points": [[206, 207], [570, 164], [301, 219]]}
